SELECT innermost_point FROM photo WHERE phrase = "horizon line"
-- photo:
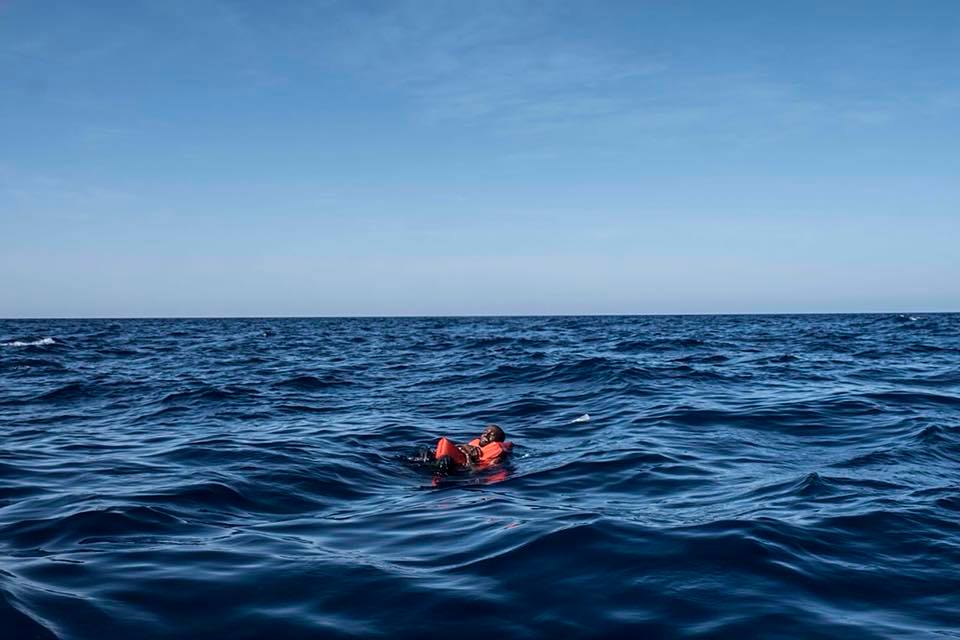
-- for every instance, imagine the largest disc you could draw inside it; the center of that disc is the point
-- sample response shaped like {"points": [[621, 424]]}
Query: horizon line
{"points": [[487, 316]]}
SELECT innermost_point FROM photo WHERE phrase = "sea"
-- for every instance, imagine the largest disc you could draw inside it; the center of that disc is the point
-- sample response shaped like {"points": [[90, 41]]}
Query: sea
{"points": [[780, 476]]}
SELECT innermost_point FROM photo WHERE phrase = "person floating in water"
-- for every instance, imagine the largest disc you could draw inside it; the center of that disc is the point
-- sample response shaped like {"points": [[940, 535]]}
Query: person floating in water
{"points": [[480, 452]]}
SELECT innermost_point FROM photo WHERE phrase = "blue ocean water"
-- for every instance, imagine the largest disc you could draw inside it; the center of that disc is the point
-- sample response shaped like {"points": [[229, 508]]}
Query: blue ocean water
{"points": [[689, 477]]}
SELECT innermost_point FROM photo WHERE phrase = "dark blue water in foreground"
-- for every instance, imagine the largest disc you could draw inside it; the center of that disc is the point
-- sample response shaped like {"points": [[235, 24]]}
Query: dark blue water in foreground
{"points": [[765, 476]]}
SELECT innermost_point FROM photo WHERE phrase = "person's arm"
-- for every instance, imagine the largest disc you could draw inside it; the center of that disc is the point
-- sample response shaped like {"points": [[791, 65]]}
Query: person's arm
{"points": [[473, 453]]}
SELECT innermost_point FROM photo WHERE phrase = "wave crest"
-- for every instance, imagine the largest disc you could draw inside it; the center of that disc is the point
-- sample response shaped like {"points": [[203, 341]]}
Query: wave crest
{"points": [[42, 342]]}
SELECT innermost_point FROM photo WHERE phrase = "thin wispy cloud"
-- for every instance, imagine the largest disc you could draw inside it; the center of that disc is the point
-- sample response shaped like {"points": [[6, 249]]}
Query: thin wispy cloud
{"points": [[496, 62], [502, 66]]}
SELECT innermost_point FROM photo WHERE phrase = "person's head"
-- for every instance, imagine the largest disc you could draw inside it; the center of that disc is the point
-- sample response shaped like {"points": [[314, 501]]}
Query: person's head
{"points": [[492, 433]]}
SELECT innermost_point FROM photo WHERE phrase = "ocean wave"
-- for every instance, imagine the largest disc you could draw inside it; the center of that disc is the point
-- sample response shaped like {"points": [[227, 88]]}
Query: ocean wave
{"points": [[64, 394], [713, 358], [914, 397], [208, 394], [41, 342], [782, 358], [18, 624], [312, 382], [47, 365], [658, 344], [88, 525]]}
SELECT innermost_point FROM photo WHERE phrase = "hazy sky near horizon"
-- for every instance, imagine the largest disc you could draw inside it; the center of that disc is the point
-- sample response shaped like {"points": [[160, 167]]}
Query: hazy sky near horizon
{"points": [[197, 157]]}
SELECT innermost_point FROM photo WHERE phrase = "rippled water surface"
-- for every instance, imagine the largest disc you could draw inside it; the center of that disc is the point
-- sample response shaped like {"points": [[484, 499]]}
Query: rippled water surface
{"points": [[737, 476]]}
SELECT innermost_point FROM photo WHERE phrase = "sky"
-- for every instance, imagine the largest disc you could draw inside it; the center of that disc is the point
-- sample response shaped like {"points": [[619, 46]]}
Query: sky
{"points": [[234, 158]]}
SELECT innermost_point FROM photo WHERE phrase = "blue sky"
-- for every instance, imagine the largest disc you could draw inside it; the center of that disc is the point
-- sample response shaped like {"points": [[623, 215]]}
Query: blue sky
{"points": [[192, 157]]}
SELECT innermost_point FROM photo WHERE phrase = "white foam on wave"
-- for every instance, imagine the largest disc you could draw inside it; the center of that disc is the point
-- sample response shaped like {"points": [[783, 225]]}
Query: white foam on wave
{"points": [[42, 342], [584, 418]]}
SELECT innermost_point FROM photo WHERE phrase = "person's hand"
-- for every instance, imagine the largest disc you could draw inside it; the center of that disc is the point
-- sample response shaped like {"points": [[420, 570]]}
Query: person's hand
{"points": [[472, 453]]}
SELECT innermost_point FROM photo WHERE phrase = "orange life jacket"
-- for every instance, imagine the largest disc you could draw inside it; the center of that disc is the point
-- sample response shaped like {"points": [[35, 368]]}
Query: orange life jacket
{"points": [[492, 451], [488, 453]]}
